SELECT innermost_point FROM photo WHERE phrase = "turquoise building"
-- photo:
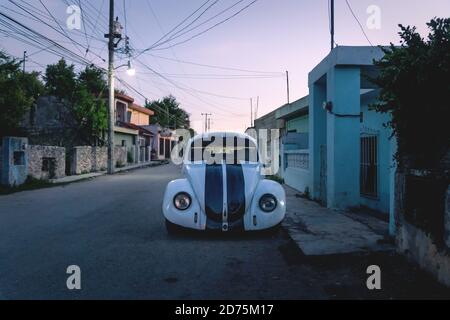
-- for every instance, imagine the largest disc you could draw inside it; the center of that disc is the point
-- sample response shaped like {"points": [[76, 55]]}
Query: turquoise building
{"points": [[294, 147], [333, 146]]}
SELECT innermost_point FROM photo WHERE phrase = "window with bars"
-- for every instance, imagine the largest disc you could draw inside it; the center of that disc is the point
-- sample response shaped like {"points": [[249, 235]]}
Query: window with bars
{"points": [[297, 160], [369, 166]]}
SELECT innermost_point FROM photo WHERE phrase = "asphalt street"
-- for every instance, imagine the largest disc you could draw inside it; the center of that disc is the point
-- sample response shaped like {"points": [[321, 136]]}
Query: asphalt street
{"points": [[112, 227]]}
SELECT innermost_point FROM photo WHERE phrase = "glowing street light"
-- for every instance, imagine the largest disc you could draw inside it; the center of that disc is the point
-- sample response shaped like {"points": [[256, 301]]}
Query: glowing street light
{"points": [[131, 71]]}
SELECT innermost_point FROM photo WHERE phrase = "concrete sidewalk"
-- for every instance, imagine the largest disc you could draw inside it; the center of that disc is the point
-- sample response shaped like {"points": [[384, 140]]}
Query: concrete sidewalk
{"points": [[90, 175], [320, 231]]}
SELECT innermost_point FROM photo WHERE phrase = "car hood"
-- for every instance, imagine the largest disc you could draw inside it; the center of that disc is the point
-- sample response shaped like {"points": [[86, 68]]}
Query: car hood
{"points": [[211, 183]]}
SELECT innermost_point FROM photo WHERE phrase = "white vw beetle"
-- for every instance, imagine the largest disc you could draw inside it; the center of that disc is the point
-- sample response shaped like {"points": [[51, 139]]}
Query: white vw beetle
{"points": [[223, 188]]}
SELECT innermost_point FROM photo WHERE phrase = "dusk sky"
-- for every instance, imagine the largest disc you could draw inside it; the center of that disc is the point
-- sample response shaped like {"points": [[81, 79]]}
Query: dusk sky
{"points": [[269, 36]]}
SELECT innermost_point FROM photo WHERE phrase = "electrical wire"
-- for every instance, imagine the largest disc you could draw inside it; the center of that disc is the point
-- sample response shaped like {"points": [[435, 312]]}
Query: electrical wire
{"points": [[59, 25], [190, 23], [84, 26], [76, 44], [35, 38], [216, 67], [192, 92], [183, 87], [173, 29], [359, 23], [178, 34], [206, 30]]}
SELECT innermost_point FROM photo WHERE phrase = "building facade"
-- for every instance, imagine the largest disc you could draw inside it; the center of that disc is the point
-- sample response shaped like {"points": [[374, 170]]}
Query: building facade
{"points": [[129, 130], [351, 159], [334, 148], [294, 149]]}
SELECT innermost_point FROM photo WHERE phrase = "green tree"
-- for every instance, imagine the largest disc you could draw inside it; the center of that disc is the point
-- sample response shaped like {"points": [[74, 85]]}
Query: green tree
{"points": [[18, 91], [60, 80], [415, 90], [89, 107], [94, 79], [83, 95], [91, 115], [168, 113]]}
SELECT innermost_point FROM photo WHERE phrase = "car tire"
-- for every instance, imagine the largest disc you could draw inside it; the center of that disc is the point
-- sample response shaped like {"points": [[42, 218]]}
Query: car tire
{"points": [[172, 228]]}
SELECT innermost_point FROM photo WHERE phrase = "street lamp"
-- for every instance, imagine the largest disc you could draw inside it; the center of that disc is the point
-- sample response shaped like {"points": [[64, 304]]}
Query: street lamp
{"points": [[131, 71]]}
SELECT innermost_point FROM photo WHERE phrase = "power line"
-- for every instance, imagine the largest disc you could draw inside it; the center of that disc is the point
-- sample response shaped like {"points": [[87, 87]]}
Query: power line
{"points": [[359, 23], [225, 109], [66, 52], [60, 50], [208, 29], [178, 34], [84, 26], [36, 38], [215, 76], [173, 29], [188, 88], [59, 25], [125, 18], [52, 27], [174, 35], [215, 66], [194, 94], [89, 18], [193, 21]]}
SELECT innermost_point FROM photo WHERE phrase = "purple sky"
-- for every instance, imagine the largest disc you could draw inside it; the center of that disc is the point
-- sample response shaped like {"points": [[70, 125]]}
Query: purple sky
{"points": [[270, 36]]}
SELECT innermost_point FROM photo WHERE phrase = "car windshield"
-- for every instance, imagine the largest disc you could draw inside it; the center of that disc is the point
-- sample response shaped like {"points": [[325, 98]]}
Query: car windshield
{"points": [[232, 150]]}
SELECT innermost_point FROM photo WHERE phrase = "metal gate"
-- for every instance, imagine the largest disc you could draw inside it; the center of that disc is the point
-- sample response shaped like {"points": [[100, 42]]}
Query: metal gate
{"points": [[369, 166]]}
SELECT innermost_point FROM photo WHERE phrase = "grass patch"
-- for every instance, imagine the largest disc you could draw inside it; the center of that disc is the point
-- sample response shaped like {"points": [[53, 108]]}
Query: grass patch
{"points": [[120, 165], [30, 184]]}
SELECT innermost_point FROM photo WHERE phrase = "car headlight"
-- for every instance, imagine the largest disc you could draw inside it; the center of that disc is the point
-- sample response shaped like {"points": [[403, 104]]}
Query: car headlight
{"points": [[182, 201], [267, 203]]}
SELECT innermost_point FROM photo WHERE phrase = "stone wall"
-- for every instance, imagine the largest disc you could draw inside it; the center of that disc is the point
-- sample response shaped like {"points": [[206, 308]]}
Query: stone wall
{"points": [[419, 245], [46, 162], [87, 159], [120, 156]]}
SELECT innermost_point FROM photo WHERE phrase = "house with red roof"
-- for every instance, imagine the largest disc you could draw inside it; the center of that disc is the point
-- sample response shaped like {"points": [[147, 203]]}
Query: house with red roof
{"points": [[129, 130]]}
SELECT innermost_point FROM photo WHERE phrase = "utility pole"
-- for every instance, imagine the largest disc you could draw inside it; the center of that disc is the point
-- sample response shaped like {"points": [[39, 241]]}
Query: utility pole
{"points": [[115, 32], [251, 112], [287, 87], [332, 23], [209, 124], [24, 60], [111, 108], [257, 107], [206, 121]]}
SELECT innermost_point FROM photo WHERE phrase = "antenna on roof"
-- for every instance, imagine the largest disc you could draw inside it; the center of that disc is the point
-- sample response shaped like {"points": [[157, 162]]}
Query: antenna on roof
{"points": [[332, 23]]}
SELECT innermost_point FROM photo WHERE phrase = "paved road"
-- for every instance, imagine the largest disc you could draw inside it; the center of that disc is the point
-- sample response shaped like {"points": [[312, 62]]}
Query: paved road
{"points": [[112, 227]]}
